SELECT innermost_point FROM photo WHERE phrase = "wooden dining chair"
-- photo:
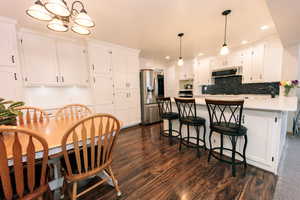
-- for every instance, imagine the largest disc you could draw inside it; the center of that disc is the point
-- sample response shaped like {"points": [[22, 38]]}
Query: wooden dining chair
{"points": [[30, 114], [73, 111], [93, 139], [21, 175]]}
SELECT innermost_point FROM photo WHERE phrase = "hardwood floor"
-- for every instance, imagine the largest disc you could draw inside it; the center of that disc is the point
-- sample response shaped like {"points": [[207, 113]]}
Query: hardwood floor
{"points": [[148, 168]]}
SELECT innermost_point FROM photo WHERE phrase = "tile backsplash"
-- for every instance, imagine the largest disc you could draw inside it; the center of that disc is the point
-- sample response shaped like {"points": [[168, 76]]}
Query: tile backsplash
{"points": [[233, 85]]}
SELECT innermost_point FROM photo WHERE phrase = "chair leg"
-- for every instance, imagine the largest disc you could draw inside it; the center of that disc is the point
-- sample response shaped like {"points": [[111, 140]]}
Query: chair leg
{"points": [[160, 129], [198, 137], [170, 132], [244, 152], [74, 191], [233, 141], [188, 132], [222, 144], [180, 134], [210, 146], [114, 181], [204, 137]]}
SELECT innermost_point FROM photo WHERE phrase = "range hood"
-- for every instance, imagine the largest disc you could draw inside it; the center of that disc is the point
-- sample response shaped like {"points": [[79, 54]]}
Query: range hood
{"points": [[226, 72]]}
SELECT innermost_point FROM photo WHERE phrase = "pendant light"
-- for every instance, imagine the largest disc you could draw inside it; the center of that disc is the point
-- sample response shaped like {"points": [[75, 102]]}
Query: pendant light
{"points": [[180, 59], [58, 7], [225, 50]]}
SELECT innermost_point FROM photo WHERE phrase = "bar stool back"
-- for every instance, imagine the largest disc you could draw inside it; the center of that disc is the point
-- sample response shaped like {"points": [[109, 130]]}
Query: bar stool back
{"points": [[166, 113], [226, 119], [188, 116]]}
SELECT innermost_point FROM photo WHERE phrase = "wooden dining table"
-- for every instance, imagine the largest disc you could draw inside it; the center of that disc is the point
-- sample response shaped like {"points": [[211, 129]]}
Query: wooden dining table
{"points": [[53, 131]]}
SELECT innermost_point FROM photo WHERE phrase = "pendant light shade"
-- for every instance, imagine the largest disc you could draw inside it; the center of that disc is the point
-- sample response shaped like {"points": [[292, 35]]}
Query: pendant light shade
{"points": [[180, 59], [225, 50], [80, 30], [38, 11], [57, 25], [58, 7], [83, 19]]}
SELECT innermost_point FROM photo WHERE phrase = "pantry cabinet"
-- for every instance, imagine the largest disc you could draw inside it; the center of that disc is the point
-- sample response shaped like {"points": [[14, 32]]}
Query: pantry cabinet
{"points": [[8, 50]]}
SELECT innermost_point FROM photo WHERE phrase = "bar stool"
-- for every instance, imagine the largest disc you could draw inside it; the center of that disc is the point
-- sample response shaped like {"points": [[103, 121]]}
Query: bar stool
{"points": [[225, 118], [166, 113], [188, 116]]}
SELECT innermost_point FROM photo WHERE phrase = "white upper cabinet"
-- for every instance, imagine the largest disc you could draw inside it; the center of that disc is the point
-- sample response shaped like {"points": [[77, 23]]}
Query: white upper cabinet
{"points": [[100, 59], [72, 63], [8, 45], [39, 60], [133, 78], [258, 53], [247, 65], [119, 63], [202, 72], [186, 70]]}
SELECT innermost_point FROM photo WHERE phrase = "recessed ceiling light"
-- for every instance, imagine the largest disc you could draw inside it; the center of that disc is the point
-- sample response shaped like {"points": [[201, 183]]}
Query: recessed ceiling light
{"points": [[244, 42], [167, 57], [200, 54], [264, 27]]}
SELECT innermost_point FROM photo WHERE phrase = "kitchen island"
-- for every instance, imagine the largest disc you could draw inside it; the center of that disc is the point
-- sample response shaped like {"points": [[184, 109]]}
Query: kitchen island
{"points": [[266, 121]]}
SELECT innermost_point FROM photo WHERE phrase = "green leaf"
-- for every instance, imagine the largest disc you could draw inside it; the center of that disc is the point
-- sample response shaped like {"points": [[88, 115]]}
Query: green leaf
{"points": [[17, 104], [6, 102]]}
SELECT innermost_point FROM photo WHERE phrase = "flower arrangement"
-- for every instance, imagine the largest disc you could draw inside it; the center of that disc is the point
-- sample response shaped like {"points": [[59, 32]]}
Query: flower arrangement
{"points": [[288, 85], [8, 113]]}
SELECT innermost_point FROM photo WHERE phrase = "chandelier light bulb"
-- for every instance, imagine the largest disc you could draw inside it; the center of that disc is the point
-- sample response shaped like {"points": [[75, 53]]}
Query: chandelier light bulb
{"points": [[83, 19], [57, 25], [58, 7], [80, 30], [38, 11]]}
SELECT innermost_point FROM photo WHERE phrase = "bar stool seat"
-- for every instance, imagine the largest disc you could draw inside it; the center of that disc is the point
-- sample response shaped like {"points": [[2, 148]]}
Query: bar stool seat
{"points": [[228, 129], [170, 116], [193, 120]]}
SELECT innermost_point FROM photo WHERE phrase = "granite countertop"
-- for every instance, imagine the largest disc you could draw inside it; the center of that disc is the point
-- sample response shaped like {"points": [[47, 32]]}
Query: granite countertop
{"points": [[257, 102]]}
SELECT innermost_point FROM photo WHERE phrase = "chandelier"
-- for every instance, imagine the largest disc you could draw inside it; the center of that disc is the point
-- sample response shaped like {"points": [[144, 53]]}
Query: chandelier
{"points": [[60, 17]]}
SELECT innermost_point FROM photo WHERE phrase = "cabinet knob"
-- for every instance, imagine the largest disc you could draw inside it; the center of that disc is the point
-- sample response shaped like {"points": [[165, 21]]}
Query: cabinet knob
{"points": [[15, 76], [13, 59]]}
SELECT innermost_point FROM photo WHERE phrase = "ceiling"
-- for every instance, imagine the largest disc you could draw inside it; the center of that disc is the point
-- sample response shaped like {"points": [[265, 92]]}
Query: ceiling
{"points": [[152, 25], [286, 15]]}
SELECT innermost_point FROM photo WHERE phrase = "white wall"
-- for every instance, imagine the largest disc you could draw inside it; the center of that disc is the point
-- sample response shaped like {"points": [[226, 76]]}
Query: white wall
{"points": [[147, 63]]}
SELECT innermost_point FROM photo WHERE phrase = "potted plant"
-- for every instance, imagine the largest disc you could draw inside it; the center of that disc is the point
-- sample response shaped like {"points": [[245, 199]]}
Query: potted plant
{"points": [[8, 112]]}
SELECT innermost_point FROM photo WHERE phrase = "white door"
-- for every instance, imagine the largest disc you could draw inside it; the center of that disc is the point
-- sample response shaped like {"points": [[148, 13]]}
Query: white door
{"points": [[8, 44], [100, 59], [40, 60], [9, 84], [72, 63], [258, 53]]}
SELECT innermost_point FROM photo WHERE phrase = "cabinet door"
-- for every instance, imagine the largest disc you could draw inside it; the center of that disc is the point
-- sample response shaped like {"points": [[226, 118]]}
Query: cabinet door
{"points": [[103, 90], [204, 72], [247, 65], [8, 44], [40, 61], [258, 52], [133, 75], [9, 84], [260, 140], [100, 59], [119, 63], [72, 63]]}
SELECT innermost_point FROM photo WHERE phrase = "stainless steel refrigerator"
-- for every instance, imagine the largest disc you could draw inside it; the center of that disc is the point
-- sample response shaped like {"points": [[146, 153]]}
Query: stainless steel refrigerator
{"points": [[152, 86]]}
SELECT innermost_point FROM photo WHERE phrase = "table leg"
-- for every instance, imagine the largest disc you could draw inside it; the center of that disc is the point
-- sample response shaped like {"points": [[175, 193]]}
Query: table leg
{"points": [[56, 184]]}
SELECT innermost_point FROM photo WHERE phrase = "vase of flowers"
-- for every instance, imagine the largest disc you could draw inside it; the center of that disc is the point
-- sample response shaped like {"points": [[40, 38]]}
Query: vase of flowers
{"points": [[288, 86], [8, 113]]}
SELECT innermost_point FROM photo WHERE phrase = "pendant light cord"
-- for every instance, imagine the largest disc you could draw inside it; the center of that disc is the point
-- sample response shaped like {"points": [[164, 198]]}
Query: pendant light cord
{"points": [[180, 47], [225, 34]]}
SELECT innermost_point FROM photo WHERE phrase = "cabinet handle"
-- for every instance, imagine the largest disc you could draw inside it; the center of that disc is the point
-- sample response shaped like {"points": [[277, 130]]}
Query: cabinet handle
{"points": [[62, 78], [13, 59], [26, 79], [260, 76], [15, 76], [93, 66], [94, 79], [57, 79]]}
